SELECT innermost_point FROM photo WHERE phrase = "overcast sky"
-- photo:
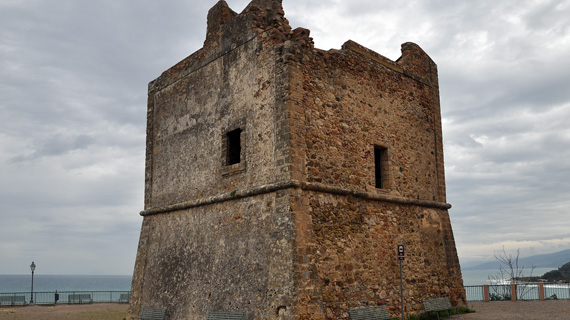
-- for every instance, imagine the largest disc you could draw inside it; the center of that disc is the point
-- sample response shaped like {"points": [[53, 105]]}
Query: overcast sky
{"points": [[73, 85]]}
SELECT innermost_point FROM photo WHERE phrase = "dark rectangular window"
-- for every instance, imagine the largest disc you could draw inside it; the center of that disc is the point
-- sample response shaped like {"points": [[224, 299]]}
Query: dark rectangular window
{"points": [[234, 146], [380, 164]]}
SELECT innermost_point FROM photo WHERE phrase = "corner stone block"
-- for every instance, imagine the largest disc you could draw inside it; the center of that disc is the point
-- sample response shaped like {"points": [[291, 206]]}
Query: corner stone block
{"points": [[415, 61]]}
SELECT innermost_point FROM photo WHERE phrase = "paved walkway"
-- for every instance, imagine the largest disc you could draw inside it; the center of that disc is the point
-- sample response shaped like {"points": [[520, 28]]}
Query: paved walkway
{"points": [[524, 310], [95, 311]]}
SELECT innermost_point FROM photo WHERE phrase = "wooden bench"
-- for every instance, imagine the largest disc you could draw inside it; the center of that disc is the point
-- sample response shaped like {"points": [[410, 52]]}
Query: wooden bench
{"points": [[148, 313], [79, 298], [124, 297], [12, 300], [438, 304], [370, 313], [225, 316]]}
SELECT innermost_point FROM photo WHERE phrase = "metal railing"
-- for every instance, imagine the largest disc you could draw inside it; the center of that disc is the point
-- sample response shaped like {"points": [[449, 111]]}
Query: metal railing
{"points": [[524, 291], [528, 291], [474, 293], [557, 291], [64, 296]]}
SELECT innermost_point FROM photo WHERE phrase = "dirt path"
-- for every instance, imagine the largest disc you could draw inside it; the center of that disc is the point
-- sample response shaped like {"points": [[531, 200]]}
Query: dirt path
{"points": [[523, 310], [95, 311]]}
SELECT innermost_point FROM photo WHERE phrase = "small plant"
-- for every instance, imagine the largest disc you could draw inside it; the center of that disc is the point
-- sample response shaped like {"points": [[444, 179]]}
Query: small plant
{"points": [[552, 297], [510, 272], [412, 317], [424, 316], [502, 296], [463, 310], [233, 193]]}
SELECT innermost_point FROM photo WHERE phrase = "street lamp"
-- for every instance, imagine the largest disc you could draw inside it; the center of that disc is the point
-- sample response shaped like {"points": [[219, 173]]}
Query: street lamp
{"points": [[33, 267]]}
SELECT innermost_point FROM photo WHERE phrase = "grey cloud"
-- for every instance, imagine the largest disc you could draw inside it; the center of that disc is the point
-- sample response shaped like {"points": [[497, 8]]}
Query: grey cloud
{"points": [[73, 81], [56, 145], [549, 16]]}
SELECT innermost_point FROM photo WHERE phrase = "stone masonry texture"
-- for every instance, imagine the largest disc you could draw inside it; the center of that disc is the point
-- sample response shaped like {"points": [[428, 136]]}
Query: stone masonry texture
{"points": [[297, 229]]}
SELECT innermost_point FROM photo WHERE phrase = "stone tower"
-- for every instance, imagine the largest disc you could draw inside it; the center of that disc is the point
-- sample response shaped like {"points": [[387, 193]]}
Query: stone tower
{"points": [[280, 178]]}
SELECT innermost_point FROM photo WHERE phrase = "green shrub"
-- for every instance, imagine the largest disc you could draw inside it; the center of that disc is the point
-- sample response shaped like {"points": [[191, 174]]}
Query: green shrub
{"points": [[552, 297], [433, 315], [499, 297]]}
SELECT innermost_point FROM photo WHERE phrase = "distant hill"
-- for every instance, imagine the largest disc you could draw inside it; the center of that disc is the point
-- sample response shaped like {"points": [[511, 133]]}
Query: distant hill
{"points": [[550, 260]]}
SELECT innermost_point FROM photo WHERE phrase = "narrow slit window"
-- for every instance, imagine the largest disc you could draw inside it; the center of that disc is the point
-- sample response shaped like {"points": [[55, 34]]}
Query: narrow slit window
{"points": [[234, 146], [380, 164]]}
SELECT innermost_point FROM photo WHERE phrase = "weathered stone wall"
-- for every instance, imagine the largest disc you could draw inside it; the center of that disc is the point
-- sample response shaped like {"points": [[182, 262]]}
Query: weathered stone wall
{"points": [[192, 115], [350, 103], [353, 262], [227, 256], [231, 252], [345, 102], [297, 229]]}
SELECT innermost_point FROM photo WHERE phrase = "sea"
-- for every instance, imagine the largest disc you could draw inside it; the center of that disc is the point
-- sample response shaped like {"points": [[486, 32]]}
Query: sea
{"points": [[481, 277], [51, 283]]}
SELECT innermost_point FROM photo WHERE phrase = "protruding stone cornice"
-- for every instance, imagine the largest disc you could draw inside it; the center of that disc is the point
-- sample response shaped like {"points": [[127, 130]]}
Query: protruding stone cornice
{"points": [[316, 187]]}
